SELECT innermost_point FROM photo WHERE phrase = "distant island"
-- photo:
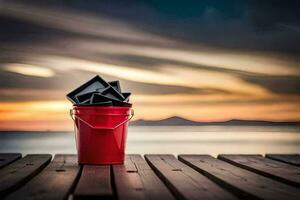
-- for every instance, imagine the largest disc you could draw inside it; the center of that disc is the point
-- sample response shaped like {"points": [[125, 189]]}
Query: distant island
{"points": [[179, 121]]}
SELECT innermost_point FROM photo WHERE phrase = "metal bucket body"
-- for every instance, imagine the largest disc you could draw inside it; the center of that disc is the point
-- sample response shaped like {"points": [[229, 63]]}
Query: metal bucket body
{"points": [[101, 133]]}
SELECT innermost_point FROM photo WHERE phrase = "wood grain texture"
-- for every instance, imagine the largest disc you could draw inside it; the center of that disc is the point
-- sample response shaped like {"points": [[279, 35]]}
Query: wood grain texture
{"points": [[94, 183], [54, 182], [270, 168], [7, 158], [246, 184], [293, 159], [20, 171], [136, 180], [184, 181]]}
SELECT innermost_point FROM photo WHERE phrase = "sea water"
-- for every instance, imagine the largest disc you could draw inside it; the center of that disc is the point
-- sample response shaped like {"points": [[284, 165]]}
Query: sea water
{"points": [[211, 140]]}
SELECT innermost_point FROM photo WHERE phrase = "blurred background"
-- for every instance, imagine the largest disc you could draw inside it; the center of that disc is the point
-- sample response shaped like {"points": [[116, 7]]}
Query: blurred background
{"points": [[206, 61]]}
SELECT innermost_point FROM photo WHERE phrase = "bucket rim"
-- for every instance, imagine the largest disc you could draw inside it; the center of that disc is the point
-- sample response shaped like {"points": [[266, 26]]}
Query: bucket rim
{"points": [[101, 107]]}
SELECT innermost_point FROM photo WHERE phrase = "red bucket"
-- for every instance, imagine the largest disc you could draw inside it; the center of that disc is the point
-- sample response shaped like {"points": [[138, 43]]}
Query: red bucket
{"points": [[101, 133]]}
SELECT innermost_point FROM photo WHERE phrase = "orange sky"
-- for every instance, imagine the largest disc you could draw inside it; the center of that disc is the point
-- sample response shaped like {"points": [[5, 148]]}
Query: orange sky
{"points": [[218, 95], [56, 50], [54, 115]]}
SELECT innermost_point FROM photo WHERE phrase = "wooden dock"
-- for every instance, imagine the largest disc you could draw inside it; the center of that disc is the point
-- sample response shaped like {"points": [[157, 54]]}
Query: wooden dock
{"points": [[151, 177]]}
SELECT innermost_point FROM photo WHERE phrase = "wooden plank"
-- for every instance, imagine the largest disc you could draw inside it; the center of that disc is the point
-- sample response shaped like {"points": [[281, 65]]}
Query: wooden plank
{"points": [[94, 182], [185, 182], [20, 171], [293, 159], [7, 158], [270, 168], [244, 183], [54, 182], [136, 180]]}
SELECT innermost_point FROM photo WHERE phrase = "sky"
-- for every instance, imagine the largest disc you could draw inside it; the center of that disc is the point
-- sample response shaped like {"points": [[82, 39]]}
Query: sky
{"points": [[208, 60]]}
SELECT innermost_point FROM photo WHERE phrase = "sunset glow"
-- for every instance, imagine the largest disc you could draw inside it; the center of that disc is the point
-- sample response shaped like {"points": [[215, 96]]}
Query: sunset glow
{"points": [[212, 65], [40, 115]]}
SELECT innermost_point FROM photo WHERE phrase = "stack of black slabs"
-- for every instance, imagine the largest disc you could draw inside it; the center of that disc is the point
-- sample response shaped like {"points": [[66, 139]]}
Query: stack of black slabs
{"points": [[98, 92]]}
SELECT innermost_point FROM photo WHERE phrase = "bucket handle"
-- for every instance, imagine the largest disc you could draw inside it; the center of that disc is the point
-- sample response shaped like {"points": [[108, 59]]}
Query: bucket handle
{"points": [[100, 128]]}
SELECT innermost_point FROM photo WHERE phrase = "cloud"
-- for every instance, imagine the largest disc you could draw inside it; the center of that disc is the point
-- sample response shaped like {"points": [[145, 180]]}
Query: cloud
{"points": [[168, 75], [73, 21], [277, 84], [29, 70], [208, 60], [254, 62]]}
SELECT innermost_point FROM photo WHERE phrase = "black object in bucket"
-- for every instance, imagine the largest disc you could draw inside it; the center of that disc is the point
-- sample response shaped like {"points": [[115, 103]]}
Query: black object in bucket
{"points": [[126, 96], [112, 93], [98, 92], [92, 85], [84, 98], [96, 98], [115, 85], [106, 103]]}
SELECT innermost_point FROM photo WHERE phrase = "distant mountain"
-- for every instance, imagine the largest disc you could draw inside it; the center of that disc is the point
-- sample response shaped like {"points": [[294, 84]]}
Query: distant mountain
{"points": [[179, 121]]}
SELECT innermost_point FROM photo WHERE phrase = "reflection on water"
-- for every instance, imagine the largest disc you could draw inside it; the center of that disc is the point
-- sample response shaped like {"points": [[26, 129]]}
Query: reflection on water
{"points": [[176, 140]]}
